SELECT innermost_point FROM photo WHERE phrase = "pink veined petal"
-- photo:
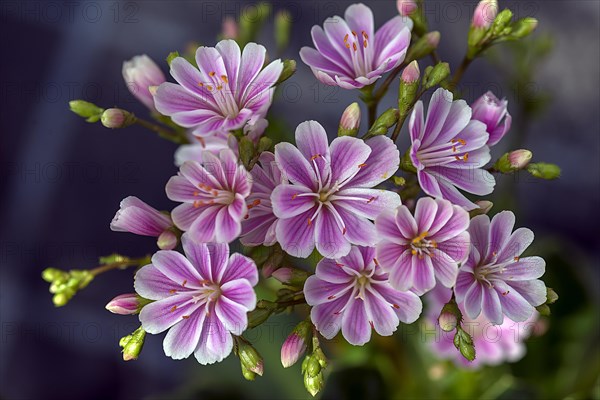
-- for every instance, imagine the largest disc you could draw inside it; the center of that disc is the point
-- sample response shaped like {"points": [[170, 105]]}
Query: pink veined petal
{"points": [[232, 315], [534, 291], [312, 142], [464, 281], [318, 62], [182, 339], [253, 59], [336, 29], [296, 236], [330, 271], [330, 52], [474, 180], [210, 63], [500, 229], [199, 174], [359, 230], [429, 184], [457, 119], [382, 163], [389, 253], [380, 313], [406, 305], [329, 235], [230, 51], [491, 306], [152, 284], [353, 261], [355, 324], [366, 203], [295, 167], [190, 78], [292, 200], [180, 189], [219, 258], [525, 269], [423, 274], [514, 306], [160, 315], [240, 267], [406, 223], [240, 291], [177, 268], [473, 300], [198, 254], [387, 230], [518, 242], [439, 108], [230, 165], [457, 248], [444, 212], [348, 154], [215, 341], [263, 82], [479, 229], [140, 221], [359, 18], [318, 291], [327, 317], [446, 269], [368, 255], [497, 134], [204, 227], [425, 213], [171, 98], [184, 215], [416, 122], [458, 223], [402, 273], [238, 208]]}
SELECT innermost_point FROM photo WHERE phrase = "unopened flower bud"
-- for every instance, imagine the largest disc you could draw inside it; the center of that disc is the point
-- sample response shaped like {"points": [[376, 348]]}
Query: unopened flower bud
{"points": [[406, 7], [290, 276], [248, 375], [132, 344], [249, 357], [314, 384], [484, 14], [436, 75], [409, 85], [524, 27], [484, 206], [283, 27], [295, 345], [139, 74], [519, 159], [124, 304], [350, 121], [87, 110], [289, 69], [167, 240], [544, 170], [424, 46], [411, 73], [449, 316], [384, 122], [114, 118], [501, 22], [551, 296], [230, 28]]}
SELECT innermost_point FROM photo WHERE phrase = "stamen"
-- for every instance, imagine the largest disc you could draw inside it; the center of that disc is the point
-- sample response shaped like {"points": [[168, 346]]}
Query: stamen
{"points": [[294, 196], [355, 47], [516, 258], [331, 297], [172, 291], [185, 316], [211, 73], [184, 282], [315, 157], [505, 293], [395, 306], [219, 87], [362, 165], [420, 237], [200, 84], [173, 309], [224, 78]]}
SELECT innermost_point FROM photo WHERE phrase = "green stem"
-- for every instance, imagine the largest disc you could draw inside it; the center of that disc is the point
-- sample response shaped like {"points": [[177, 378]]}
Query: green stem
{"points": [[162, 132], [120, 265], [460, 72], [402, 118]]}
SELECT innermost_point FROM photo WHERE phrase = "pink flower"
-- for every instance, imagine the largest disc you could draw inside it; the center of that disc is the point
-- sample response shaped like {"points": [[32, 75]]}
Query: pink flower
{"points": [[227, 90], [137, 217], [353, 294], [417, 251], [198, 145], [495, 279], [140, 73], [350, 54], [493, 112], [202, 299], [214, 197], [259, 225], [330, 202]]}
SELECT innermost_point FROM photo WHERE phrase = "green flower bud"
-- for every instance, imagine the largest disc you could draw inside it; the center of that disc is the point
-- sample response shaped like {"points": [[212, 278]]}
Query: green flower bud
{"points": [[283, 27], [313, 368], [132, 344], [384, 122], [289, 69], [264, 144], [247, 151], [501, 21], [290, 276], [87, 110], [258, 316], [248, 375], [513, 161], [314, 384], [449, 317], [115, 118], [409, 85], [172, 55], [544, 170], [524, 27], [439, 72], [423, 46], [350, 121], [249, 357], [551, 296]]}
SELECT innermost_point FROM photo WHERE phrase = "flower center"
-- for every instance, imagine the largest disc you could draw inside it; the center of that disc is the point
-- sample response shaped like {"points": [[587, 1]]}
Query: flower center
{"points": [[208, 196], [423, 247], [444, 153], [218, 86]]}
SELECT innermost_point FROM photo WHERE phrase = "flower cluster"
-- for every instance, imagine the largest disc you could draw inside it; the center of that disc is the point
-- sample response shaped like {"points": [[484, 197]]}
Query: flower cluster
{"points": [[381, 241]]}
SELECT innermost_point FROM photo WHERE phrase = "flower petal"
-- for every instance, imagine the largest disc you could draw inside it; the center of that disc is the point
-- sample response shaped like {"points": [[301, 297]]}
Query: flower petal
{"points": [[318, 291], [329, 236], [203, 229], [348, 154], [382, 163], [291, 200], [366, 203], [198, 254], [492, 309], [240, 267], [294, 166], [232, 315], [240, 291], [215, 342], [160, 315], [406, 305], [330, 271], [327, 317], [355, 324], [176, 267], [518, 242], [380, 313], [423, 274], [152, 284], [473, 300], [425, 213], [514, 306], [182, 339]]}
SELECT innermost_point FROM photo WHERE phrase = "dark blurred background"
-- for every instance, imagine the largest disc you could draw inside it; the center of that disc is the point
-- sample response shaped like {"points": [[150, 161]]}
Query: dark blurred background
{"points": [[62, 180]]}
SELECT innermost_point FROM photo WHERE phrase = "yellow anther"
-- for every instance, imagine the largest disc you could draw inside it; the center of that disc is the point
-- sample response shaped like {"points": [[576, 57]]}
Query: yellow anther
{"points": [[224, 78], [420, 237], [211, 73]]}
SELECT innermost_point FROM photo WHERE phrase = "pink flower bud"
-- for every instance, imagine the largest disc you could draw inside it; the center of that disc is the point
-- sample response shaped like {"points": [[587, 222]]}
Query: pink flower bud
{"points": [[139, 74], [519, 159], [124, 304], [230, 28], [406, 7], [484, 205], [167, 240], [295, 344], [447, 321], [411, 73], [485, 13], [433, 39], [351, 117], [115, 118], [493, 112]]}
